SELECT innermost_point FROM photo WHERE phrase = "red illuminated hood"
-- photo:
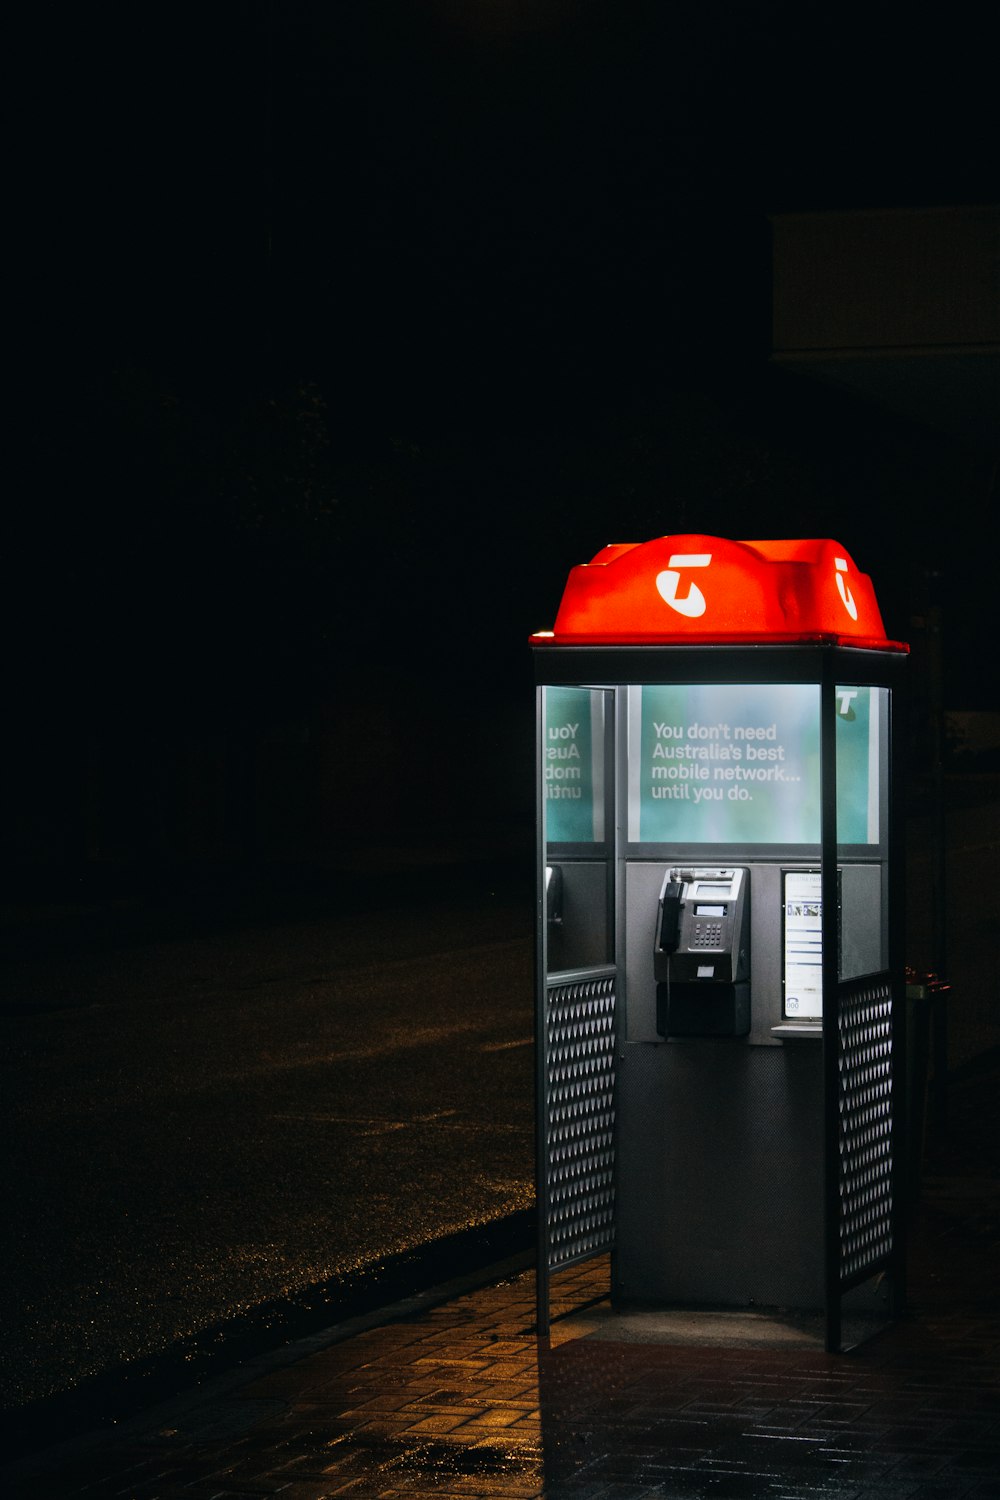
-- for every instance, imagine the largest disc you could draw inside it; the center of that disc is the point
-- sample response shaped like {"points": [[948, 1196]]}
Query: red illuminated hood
{"points": [[690, 589]]}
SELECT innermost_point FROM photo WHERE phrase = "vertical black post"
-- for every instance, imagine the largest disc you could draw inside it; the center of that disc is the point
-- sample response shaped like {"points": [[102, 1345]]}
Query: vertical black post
{"points": [[541, 1047], [902, 1182], [939, 857], [831, 976]]}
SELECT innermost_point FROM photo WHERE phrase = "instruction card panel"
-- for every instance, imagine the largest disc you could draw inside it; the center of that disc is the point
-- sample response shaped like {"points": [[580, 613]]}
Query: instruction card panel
{"points": [[803, 945]]}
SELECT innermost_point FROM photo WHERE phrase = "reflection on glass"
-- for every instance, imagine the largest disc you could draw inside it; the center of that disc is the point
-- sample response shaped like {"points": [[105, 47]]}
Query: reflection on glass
{"points": [[859, 742], [862, 884], [862, 801], [577, 784], [573, 765]]}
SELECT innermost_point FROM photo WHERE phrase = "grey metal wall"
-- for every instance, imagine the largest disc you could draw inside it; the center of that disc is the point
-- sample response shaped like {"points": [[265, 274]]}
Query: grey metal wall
{"points": [[720, 1194]]}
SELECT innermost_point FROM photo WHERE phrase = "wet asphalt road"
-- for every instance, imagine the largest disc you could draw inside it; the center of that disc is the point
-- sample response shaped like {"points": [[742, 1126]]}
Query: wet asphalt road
{"points": [[199, 1125]]}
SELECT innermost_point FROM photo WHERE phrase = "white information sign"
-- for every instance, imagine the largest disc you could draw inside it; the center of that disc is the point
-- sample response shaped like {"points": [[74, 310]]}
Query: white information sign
{"points": [[803, 945]]}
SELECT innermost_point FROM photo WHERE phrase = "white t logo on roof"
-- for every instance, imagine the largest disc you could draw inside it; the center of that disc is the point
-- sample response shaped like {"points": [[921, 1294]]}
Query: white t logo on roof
{"points": [[692, 603], [840, 563]]}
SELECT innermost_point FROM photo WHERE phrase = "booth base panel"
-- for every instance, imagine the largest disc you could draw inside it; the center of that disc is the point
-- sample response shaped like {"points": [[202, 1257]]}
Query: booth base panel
{"points": [[719, 1177]]}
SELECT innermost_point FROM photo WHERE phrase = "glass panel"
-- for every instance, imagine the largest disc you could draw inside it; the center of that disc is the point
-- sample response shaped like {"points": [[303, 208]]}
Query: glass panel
{"points": [[573, 769], [859, 745], [862, 877], [738, 763], [862, 802], [724, 763], [576, 774]]}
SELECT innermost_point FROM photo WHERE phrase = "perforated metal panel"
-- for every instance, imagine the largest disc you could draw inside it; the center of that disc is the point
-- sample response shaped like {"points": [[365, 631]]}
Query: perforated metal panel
{"points": [[865, 1125], [578, 1161]]}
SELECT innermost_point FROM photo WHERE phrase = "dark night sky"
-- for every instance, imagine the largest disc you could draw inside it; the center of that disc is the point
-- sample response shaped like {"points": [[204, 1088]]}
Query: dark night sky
{"points": [[462, 212], [350, 322]]}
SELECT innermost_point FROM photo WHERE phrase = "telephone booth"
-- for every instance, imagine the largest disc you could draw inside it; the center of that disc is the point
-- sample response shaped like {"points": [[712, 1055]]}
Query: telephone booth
{"points": [[720, 991]]}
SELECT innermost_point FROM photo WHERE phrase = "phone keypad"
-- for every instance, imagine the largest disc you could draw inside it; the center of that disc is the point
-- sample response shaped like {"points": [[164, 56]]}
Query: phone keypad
{"points": [[707, 935]]}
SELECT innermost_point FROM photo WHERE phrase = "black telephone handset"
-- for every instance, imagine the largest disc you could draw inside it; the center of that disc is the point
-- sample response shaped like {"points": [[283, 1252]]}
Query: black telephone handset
{"points": [[554, 894], [668, 927]]}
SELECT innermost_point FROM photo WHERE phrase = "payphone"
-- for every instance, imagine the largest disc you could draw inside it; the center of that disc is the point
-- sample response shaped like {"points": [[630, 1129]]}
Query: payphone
{"points": [[719, 1087], [701, 953]]}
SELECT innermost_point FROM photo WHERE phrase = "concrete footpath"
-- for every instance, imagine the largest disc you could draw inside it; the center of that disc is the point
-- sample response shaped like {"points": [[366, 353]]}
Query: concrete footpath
{"points": [[452, 1394]]}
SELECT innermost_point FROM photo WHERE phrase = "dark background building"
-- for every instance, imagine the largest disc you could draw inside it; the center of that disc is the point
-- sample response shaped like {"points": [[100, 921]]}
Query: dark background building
{"points": [[352, 328]]}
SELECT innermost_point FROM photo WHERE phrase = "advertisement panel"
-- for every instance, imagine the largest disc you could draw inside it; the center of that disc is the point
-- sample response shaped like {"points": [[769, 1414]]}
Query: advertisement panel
{"points": [[734, 763]]}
